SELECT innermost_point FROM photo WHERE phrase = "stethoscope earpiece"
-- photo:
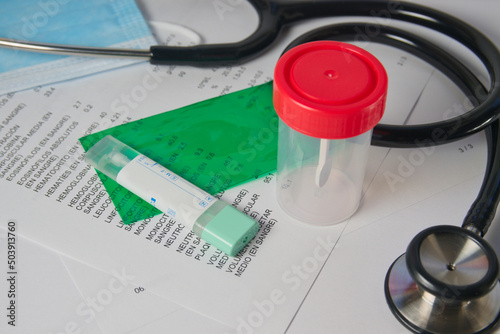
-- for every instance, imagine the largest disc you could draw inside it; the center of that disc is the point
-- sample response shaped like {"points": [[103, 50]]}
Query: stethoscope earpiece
{"points": [[447, 282]]}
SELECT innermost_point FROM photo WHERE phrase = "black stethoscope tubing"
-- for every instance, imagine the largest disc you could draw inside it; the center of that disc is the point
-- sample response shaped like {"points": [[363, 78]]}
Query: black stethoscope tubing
{"points": [[276, 14]]}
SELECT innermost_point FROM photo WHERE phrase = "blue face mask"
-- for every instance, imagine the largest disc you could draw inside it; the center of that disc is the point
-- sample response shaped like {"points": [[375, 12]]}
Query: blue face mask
{"points": [[103, 23]]}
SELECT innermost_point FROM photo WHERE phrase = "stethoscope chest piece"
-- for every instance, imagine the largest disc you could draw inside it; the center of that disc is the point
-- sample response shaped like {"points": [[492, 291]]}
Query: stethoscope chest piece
{"points": [[447, 282]]}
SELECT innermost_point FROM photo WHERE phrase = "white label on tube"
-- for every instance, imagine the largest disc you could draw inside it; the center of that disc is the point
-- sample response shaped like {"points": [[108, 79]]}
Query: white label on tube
{"points": [[165, 190]]}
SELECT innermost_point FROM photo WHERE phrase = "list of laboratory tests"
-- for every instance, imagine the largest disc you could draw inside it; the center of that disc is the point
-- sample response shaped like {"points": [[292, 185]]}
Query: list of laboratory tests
{"points": [[41, 155]]}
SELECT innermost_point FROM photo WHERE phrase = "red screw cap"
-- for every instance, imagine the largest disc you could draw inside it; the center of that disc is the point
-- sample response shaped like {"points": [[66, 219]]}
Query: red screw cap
{"points": [[329, 89]]}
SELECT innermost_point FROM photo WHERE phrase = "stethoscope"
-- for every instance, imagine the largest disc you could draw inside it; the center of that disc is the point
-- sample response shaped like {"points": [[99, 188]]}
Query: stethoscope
{"points": [[447, 281]]}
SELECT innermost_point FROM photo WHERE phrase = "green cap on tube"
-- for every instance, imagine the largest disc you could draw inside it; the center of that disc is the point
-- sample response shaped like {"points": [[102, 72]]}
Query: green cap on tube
{"points": [[230, 230]]}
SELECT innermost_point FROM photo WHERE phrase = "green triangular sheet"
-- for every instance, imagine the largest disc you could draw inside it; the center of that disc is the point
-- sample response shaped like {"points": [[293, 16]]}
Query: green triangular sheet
{"points": [[215, 144]]}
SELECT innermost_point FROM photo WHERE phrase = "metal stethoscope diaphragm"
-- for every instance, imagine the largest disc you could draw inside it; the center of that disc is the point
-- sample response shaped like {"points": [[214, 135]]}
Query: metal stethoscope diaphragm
{"points": [[447, 282]]}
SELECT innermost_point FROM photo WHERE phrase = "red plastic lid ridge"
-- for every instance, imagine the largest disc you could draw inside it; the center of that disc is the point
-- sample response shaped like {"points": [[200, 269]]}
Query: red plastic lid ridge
{"points": [[330, 89]]}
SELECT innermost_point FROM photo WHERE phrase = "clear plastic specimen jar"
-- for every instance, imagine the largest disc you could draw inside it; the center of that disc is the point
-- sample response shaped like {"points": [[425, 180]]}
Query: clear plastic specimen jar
{"points": [[329, 96]]}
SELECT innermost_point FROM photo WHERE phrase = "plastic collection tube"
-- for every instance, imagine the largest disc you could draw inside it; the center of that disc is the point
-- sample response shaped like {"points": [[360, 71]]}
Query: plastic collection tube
{"points": [[329, 96], [212, 220]]}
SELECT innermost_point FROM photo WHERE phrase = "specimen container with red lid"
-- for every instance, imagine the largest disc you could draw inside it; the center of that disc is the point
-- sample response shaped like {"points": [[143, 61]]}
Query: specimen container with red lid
{"points": [[329, 96]]}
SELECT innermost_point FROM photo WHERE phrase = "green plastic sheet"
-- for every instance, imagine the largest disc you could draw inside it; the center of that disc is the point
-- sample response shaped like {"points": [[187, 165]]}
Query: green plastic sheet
{"points": [[215, 144]]}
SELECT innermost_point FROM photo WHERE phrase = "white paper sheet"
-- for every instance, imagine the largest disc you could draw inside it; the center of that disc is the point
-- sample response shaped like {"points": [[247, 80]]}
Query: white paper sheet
{"points": [[259, 292], [45, 297]]}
